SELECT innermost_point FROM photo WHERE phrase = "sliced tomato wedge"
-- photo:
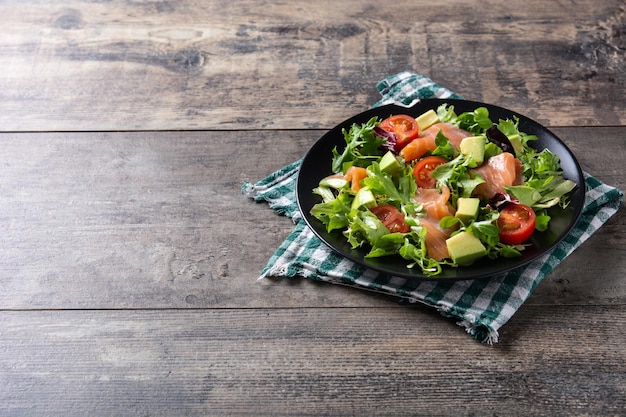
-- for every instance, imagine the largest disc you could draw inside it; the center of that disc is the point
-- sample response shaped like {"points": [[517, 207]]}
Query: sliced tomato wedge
{"points": [[403, 127], [391, 217], [516, 223], [423, 170]]}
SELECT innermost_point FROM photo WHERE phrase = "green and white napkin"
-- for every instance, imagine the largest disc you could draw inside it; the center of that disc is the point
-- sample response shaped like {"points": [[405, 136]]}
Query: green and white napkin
{"points": [[481, 306]]}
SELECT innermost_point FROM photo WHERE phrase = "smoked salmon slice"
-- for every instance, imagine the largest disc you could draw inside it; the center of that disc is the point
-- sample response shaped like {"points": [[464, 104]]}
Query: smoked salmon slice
{"points": [[437, 206], [426, 140], [417, 148], [355, 174], [454, 134], [435, 203], [435, 239], [498, 172]]}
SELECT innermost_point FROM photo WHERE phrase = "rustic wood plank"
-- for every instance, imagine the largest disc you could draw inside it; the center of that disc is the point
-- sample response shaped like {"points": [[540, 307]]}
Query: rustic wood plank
{"points": [[287, 362], [115, 65], [157, 220], [129, 256]]}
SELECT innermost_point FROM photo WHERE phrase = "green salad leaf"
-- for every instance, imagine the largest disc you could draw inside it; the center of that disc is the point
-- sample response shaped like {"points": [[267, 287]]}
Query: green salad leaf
{"points": [[362, 146]]}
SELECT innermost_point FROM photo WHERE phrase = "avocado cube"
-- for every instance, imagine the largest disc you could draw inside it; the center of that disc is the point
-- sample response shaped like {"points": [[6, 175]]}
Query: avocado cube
{"points": [[474, 148], [464, 248], [363, 197], [389, 164], [467, 209], [427, 119]]}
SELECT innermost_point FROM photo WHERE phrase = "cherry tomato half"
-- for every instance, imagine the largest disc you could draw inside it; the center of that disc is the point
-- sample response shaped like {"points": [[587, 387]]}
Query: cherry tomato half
{"points": [[391, 218], [423, 169], [404, 128], [516, 223]]}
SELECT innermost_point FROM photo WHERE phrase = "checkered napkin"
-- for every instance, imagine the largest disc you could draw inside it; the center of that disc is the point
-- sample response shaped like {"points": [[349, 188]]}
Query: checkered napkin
{"points": [[481, 306]]}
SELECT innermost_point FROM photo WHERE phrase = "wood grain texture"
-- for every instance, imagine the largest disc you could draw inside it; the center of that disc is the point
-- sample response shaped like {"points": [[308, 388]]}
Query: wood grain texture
{"points": [[158, 220], [310, 362], [143, 65], [129, 257]]}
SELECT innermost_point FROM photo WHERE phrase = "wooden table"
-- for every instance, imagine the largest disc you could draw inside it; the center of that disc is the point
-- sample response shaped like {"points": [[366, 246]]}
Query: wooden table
{"points": [[129, 257]]}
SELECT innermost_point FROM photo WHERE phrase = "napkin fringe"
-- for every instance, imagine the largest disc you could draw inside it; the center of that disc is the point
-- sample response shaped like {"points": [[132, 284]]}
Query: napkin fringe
{"points": [[277, 190], [479, 331], [276, 271], [281, 205], [474, 327]]}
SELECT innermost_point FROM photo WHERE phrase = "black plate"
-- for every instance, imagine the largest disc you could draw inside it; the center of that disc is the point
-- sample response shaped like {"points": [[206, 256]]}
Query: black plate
{"points": [[317, 165]]}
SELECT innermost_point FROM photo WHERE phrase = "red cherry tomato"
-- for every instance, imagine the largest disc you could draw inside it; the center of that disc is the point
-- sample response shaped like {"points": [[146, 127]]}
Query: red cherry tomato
{"points": [[391, 218], [423, 169], [403, 127], [516, 223]]}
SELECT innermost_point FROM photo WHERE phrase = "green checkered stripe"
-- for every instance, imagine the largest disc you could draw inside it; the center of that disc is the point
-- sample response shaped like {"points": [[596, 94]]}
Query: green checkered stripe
{"points": [[480, 306]]}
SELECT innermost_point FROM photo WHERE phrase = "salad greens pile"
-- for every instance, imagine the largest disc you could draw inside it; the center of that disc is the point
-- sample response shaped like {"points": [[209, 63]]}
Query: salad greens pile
{"points": [[543, 187]]}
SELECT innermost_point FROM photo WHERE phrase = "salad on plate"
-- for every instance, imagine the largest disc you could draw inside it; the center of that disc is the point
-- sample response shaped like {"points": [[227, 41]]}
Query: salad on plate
{"points": [[440, 189]]}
